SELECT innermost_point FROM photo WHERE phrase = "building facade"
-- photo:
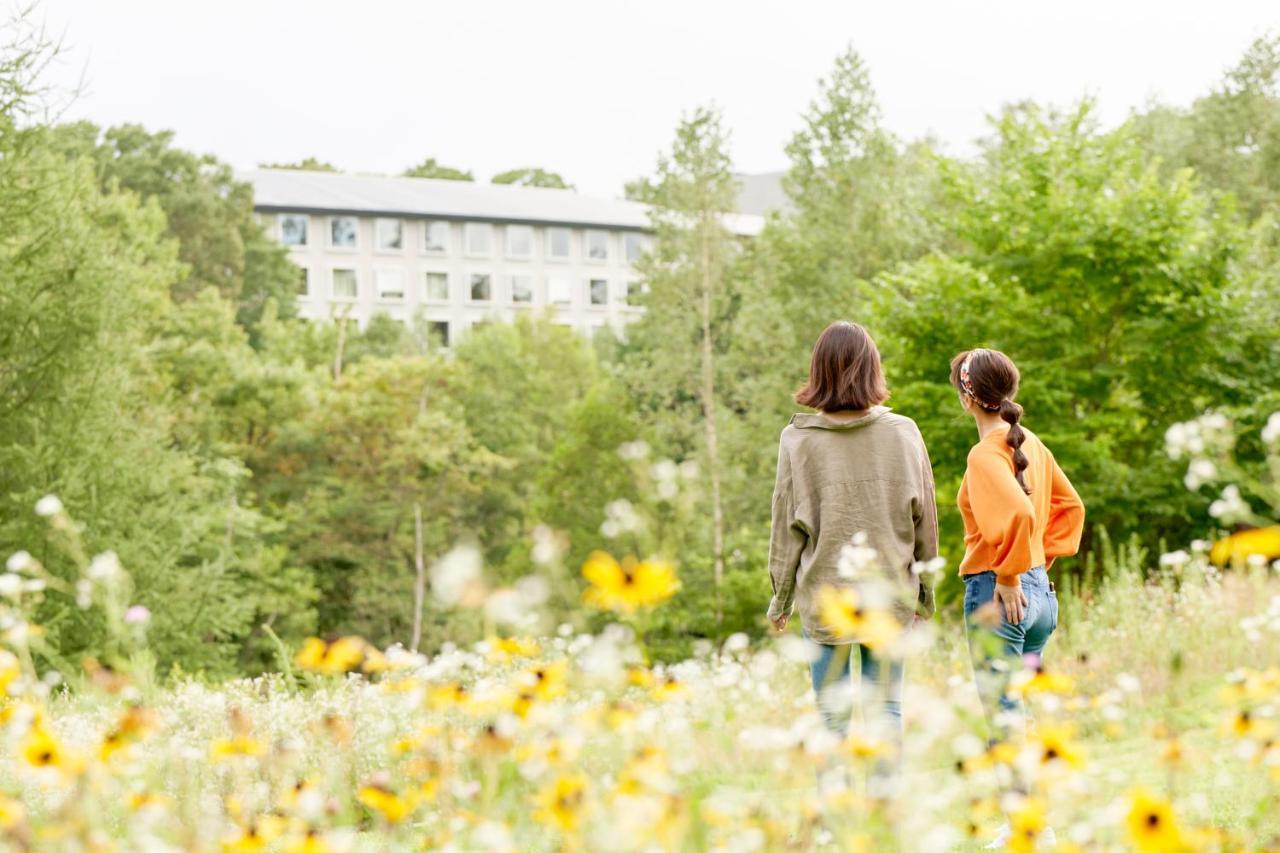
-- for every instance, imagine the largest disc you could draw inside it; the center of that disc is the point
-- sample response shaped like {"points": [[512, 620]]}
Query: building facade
{"points": [[452, 254]]}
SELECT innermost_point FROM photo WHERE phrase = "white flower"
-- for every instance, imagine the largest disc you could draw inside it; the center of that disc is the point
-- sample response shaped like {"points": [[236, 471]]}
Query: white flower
{"points": [[455, 574], [1199, 472], [10, 585], [634, 451], [664, 469], [1175, 559], [620, 517], [104, 567], [548, 545], [48, 505], [689, 469], [84, 594], [20, 561], [1271, 432], [1175, 440], [856, 558], [737, 642], [928, 567], [1230, 507]]}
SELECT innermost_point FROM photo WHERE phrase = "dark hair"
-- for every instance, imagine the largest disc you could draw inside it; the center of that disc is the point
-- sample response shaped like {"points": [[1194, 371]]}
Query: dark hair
{"points": [[992, 383], [845, 372]]}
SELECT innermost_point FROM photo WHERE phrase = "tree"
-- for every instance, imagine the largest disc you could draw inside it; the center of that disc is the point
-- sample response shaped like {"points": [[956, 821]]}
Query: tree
{"points": [[308, 164], [206, 209], [531, 177], [1113, 288], [688, 275], [429, 168]]}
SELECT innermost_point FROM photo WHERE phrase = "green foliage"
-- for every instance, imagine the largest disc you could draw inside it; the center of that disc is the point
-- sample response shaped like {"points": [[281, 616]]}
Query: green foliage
{"points": [[429, 168], [531, 177], [1112, 287], [207, 211], [307, 164]]}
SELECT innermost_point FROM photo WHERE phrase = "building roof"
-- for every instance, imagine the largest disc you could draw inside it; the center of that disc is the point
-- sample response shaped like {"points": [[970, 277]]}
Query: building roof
{"points": [[281, 190]]}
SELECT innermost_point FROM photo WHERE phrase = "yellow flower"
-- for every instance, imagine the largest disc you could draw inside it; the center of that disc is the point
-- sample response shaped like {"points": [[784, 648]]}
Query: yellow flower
{"points": [[862, 748], [258, 835], [311, 841], [40, 749], [385, 802], [546, 681], [1264, 541], [342, 655], [441, 697], [1026, 823], [628, 586], [1043, 681], [561, 803], [1056, 745], [11, 812], [235, 747], [1151, 823], [666, 687], [504, 649], [843, 611], [133, 725]]}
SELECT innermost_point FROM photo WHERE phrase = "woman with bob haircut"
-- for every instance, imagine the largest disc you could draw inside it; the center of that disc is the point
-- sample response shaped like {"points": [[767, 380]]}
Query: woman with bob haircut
{"points": [[853, 514]]}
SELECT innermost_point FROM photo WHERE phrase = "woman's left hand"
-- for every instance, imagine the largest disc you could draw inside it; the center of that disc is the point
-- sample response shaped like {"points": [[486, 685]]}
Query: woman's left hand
{"points": [[780, 624]]}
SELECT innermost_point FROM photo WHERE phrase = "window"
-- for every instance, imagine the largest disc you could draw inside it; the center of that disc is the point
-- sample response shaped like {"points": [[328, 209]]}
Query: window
{"points": [[557, 244], [435, 287], [478, 236], [342, 232], [435, 240], [559, 290], [634, 246], [519, 241], [635, 292], [389, 284], [481, 287], [345, 285], [598, 291], [304, 282], [293, 229], [389, 234], [438, 330], [522, 289], [597, 245]]}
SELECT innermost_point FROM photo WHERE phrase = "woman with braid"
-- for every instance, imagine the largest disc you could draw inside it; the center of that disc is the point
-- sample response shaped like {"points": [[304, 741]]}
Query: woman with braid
{"points": [[1020, 512]]}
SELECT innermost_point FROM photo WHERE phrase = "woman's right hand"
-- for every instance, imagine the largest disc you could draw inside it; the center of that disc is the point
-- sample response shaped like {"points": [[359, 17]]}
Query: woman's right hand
{"points": [[780, 624]]}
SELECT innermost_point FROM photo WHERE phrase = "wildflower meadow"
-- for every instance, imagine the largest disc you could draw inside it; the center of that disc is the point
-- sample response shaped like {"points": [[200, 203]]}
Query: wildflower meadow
{"points": [[1154, 722]]}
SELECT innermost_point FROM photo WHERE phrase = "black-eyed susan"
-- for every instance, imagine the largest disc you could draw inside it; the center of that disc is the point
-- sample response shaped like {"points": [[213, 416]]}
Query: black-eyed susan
{"points": [[344, 654], [237, 746], [309, 840], [41, 750], [450, 694], [850, 616], [132, 726], [1055, 745], [1259, 541], [547, 681], [1151, 824], [561, 803], [386, 803], [1027, 823], [12, 813], [627, 586], [503, 649]]}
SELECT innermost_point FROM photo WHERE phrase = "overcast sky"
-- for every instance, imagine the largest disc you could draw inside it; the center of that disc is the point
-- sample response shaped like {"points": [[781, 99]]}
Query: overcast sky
{"points": [[593, 88]]}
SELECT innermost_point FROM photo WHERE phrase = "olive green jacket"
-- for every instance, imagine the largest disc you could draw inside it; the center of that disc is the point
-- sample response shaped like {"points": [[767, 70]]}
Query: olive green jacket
{"points": [[840, 478]]}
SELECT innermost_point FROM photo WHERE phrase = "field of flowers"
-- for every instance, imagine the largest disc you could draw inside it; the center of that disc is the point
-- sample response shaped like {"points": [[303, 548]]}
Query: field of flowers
{"points": [[1155, 729]]}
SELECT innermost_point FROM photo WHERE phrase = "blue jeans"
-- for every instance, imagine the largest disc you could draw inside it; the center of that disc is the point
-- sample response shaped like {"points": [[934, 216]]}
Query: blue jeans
{"points": [[1000, 650], [880, 690]]}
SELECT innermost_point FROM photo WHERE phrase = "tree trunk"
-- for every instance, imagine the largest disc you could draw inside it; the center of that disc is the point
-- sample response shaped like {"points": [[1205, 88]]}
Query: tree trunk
{"points": [[341, 348], [420, 577], [709, 422]]}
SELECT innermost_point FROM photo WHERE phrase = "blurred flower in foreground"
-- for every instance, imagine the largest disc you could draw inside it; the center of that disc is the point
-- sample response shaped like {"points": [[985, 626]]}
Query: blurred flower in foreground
{"points": [[1261, 541], [844, 611], [627, 586], [560, 804], [342, 655], [1151, 824]]}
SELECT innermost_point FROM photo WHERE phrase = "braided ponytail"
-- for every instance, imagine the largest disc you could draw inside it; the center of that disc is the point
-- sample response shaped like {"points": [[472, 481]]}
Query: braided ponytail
{"points": [[1011, 413]]}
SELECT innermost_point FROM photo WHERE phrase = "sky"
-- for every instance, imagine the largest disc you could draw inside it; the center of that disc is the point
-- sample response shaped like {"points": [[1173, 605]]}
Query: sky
{"points": [[593, 89]]}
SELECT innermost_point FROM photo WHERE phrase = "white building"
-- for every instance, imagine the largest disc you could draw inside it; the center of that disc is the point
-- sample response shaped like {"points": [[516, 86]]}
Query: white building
{"points": [[455, 253]]}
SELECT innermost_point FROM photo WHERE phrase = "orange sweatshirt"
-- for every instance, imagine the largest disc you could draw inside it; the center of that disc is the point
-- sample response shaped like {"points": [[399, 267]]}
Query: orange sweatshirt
{"points": [[1006, 530]]}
